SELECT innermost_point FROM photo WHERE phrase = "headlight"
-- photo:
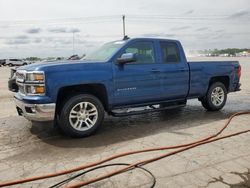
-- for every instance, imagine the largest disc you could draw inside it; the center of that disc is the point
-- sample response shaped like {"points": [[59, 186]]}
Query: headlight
{"points": [[31, 83], [35, 77]]}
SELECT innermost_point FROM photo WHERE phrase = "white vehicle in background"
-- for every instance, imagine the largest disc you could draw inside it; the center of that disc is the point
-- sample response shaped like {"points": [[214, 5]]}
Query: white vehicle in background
{"points": [[15, 62]]}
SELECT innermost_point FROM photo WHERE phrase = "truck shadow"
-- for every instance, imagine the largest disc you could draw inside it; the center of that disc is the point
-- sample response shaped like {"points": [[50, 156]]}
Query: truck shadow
{"points": [[116, 130], [244, 183]]}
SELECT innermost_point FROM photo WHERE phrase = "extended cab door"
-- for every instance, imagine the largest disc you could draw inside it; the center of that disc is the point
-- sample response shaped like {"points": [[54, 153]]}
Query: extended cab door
{"points": [[175, 71], [139, 81]]}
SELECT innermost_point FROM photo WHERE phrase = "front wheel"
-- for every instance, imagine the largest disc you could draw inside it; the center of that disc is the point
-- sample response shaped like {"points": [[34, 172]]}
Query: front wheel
{"points": [[215, 98], [81, 115]]}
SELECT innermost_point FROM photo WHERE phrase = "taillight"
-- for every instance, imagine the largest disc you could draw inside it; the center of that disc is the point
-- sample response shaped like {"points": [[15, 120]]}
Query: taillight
{"points": [[239, 72]]}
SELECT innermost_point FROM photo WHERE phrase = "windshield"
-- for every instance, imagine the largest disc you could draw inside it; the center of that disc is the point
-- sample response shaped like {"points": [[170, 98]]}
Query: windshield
{"points": [[105, 52]]}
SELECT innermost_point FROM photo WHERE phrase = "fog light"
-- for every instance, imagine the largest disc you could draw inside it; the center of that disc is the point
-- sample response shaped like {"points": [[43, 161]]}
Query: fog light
{"points": [[33, 110], [30, 110]]}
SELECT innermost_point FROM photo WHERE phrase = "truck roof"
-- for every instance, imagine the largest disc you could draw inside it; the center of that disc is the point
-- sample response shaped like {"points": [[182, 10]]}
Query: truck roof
{"points": [[153, 38]]}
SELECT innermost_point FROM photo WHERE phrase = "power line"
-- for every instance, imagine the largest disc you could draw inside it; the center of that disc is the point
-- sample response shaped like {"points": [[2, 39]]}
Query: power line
{"points": [[97, 19], [62, 19]]}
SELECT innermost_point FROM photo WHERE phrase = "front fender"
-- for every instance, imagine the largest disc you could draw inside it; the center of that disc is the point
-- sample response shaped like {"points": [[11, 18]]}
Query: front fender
{"points": [[57, 80]]}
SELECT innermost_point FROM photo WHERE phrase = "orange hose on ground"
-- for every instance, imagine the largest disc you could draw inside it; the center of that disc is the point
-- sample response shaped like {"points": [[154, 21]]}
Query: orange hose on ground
{"points": [[187, 146], [144, 162]]}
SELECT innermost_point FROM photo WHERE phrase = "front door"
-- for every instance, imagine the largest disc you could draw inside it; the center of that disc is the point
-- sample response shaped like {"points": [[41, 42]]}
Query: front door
{"points": [[139, 81]]}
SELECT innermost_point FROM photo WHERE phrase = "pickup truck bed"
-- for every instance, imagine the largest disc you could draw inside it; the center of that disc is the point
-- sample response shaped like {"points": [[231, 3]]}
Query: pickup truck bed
{"points": [[202, 71]]}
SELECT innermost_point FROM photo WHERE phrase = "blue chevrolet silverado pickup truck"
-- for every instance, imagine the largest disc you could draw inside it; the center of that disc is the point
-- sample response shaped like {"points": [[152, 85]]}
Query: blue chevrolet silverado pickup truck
{"points": [[132, 73]]}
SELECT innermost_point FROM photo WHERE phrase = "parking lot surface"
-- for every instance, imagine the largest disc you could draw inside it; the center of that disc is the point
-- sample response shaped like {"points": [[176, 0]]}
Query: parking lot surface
{"points": [[28, 149]]}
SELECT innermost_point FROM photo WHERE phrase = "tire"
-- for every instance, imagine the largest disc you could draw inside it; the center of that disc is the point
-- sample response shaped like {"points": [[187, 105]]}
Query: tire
{"points": [[24, 64], [215, 98], [10, 65], [75, 121]]}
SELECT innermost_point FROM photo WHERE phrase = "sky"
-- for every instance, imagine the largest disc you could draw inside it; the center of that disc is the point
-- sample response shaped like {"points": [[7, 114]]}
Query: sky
{"points": [[47, 28]]}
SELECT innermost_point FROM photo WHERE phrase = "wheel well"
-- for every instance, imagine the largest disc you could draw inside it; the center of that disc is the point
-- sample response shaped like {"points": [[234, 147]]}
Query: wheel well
{"points": [[98, 90], [223, 79]]}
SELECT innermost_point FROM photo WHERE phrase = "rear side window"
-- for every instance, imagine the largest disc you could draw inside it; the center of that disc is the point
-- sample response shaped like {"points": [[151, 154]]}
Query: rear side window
{"points": [[144, 51], [170, 52]]}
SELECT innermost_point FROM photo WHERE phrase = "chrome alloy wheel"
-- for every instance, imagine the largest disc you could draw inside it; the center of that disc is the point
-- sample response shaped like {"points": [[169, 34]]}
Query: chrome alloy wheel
{"points": [[83, 116], [217, 96]]}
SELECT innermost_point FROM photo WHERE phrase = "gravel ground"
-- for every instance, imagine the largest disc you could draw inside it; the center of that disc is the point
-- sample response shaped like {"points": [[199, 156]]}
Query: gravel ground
{"points": [[28, 149]]}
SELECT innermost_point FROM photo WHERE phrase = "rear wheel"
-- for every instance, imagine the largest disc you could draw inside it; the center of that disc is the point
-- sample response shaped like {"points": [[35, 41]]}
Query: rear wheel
{"points": [[81, 115], [10, 65], [215, 98]]}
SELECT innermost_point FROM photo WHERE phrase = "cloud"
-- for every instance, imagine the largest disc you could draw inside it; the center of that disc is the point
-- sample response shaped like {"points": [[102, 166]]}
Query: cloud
{"points": [[57, 30], [34, 30], [189, 12], [80, 41], [152, 35], [220, 31], [221, 36], [74, 30], [170, 35], [180, 28], [240, 13], [158, 35], [5, 26], [22, 39], [89, 45], [64, 42], [63, 30], [57, 41], [202, 29], [38, 40]]}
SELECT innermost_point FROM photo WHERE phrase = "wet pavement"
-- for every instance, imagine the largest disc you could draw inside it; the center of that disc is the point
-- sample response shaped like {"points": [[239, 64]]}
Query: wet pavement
{"points": [[28, 149]]}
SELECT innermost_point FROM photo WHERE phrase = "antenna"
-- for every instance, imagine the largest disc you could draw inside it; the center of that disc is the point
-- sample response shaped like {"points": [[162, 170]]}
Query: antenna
{"points": [[123, 21], [73, 38], [125, 37]]}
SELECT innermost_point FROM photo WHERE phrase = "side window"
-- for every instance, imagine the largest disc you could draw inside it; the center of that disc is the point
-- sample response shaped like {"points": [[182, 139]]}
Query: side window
{"points": [[144, 51], [170, 52]]}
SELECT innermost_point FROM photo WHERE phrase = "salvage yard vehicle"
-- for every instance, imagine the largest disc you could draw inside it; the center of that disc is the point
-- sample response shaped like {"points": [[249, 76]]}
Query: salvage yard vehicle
{"points": [[139, 72], [15, 62], [2, 62]]}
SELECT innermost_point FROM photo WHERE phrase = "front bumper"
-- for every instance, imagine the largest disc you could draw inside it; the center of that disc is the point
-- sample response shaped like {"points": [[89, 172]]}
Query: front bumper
{"points": [[12, 81], [36, 112], [12, 85]]}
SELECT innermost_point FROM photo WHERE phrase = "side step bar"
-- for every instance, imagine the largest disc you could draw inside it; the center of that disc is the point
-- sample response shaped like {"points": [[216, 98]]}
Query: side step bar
{"points": [[146, 110]]}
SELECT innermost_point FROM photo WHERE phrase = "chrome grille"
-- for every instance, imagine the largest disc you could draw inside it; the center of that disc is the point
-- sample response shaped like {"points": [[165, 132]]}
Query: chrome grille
{"points": [[21, 89], [12, 73], [20, 77]]}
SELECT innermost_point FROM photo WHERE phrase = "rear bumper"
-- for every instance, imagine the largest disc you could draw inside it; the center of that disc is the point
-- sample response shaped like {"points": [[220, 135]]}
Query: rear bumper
{"points": [[36, 112], [237, 88]]}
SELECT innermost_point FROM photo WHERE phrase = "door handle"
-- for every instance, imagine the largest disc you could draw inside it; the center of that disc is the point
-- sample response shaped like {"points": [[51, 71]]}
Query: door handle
{"points": [[155, 70]]}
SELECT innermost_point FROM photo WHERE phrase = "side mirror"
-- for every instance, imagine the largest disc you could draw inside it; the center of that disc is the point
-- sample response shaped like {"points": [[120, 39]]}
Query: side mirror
{"points": [[126, 58]]}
